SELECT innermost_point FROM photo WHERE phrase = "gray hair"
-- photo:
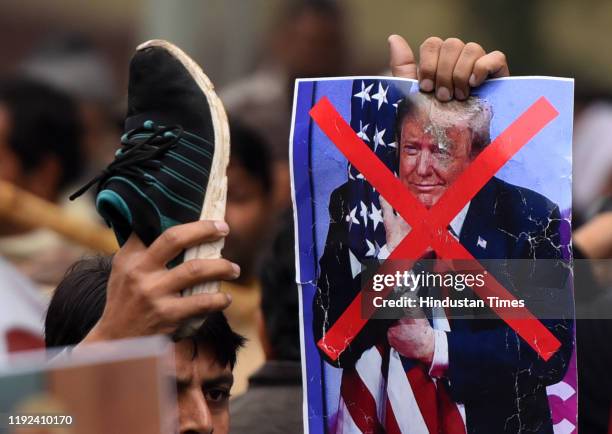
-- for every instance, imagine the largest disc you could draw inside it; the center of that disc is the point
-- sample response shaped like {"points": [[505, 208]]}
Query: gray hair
{"points": [[475, 113]]}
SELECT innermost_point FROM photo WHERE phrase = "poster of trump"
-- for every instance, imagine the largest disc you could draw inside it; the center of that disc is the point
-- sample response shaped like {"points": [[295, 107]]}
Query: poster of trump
{"points": [[434, 260]]}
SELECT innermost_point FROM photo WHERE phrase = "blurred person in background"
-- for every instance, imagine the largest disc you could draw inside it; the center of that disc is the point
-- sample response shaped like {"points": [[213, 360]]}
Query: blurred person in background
{"points": [[40, 140], [593, 160], [41, 153], [70, 65], [307, 41], [250, 215], [592, 246], [272, 404]]}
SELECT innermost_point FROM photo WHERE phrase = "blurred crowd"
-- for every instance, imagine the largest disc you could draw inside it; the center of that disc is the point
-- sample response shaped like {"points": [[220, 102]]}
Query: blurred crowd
{"points": [[61, 114]]}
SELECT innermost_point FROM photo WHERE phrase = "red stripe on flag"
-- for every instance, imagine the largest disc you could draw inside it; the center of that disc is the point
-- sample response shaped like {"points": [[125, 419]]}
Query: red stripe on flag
{"points": [[450, 419], [390, 422], [425, 395], [359, 402]]}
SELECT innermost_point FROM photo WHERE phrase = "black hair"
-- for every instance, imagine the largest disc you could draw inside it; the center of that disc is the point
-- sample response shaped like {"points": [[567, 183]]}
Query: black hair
{"points": [[43, 122], [78, 303], [250, 151], [279, 295], [404, 108]]}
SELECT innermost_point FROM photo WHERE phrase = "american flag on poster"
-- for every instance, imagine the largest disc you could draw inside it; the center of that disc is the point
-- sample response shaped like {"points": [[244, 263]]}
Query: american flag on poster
{"points": [[412, 403], [373, 109]]}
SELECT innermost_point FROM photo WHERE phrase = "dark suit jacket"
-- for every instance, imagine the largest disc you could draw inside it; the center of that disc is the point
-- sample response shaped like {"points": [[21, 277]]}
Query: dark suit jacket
{"points": [[498, 377]]}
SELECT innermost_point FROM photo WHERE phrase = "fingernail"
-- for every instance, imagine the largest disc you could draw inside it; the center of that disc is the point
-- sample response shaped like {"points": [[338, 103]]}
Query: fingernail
{"points": [[236, 269], [229, 297], [459, 93], [472, 80], [426, 85], [222, 227], [443, 94]]}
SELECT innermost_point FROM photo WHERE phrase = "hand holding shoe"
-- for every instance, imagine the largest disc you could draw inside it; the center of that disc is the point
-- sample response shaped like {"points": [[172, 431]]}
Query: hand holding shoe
{"points": [[143, 295]]}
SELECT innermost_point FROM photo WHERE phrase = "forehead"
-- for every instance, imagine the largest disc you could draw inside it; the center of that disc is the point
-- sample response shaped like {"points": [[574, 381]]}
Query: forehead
{"points": [[419, 126], [197, 362]]}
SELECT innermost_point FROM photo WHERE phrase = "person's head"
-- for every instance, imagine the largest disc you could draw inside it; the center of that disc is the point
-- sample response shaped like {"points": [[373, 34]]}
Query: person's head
{"points": [[40, 137], [203, 362], [249, 197], [309, 40], [438, 140], [279, 297]]}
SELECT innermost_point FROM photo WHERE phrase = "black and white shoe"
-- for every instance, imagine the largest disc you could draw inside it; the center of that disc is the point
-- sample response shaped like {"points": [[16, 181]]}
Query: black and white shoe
{"points": [[171, 166]]}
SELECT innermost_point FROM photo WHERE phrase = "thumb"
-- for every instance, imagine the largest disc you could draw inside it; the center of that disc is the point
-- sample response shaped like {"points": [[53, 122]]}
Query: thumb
{"points": [[387, 210], [401, 58]]}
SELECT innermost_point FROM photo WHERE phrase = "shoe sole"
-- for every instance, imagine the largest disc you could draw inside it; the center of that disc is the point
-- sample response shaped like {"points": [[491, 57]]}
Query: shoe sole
{"points": [[213, 207]]}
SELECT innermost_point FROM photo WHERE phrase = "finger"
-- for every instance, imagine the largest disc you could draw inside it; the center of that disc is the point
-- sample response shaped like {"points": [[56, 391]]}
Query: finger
{"points": [[428, 63], [178, 238], [402, 60], [463, 69], [133, 244], [493, 64], [449, 54], [194, 272], [180, 309]]}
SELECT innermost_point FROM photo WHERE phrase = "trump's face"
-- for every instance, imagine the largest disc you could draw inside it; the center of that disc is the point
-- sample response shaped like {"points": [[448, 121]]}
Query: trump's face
{"points": [[432, 156]]}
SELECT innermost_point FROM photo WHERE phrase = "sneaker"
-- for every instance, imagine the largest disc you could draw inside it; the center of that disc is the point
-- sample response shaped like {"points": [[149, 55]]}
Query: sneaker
{"points": [[171, 167]]}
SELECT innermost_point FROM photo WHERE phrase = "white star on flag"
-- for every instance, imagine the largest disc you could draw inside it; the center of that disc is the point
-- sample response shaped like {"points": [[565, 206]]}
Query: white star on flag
{"points": [[364, 213], [362, 131], [376, 216], [351, 218], [392, 145], [378, 138], [373, 249], [350, 175], [381, 95], [396, 104], [355, 264], [364, 95]]}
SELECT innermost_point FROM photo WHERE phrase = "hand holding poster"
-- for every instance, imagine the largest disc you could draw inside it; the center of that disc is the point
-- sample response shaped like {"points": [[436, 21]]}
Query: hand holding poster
{"points": [[386, 179]]}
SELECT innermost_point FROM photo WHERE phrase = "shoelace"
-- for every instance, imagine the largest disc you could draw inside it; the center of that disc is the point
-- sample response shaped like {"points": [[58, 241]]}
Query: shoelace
{"points": [[137, 153]]}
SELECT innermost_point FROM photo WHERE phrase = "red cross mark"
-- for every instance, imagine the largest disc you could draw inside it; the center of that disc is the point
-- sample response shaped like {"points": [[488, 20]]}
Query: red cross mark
{"points": [[429, 226]]}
